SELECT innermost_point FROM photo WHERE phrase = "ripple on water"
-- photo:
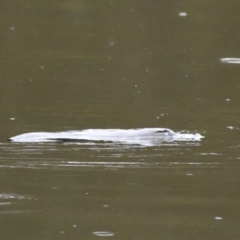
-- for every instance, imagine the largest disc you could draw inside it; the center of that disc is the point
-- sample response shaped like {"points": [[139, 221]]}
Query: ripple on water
{"points": [[7, 199], [230, 60], [103, 234], [102, 154]]}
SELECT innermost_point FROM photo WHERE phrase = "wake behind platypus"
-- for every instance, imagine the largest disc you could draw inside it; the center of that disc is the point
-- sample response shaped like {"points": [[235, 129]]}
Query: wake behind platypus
{"points": [[143, 136]]}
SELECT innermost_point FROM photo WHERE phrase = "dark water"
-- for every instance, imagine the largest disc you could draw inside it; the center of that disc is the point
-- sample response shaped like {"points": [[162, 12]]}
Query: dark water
{"points": [[75, 65]]}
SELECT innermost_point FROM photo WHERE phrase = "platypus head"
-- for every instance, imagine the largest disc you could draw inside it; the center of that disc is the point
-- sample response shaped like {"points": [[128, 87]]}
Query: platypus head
{"points": [[166, 132]]}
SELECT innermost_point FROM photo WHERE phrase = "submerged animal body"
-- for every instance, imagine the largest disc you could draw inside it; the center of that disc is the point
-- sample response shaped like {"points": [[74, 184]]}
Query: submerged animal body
{"points": [[144, 136]]}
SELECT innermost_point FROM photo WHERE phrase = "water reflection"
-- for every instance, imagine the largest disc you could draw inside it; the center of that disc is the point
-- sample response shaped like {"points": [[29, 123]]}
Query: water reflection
{"points": [[231, 60], [9, 199], [182, 14], [103, 234], [105, 155], [11, 196]]}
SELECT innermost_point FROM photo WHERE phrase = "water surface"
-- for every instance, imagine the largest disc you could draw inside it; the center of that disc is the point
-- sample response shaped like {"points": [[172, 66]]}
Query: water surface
{"points": [[81, 65]]}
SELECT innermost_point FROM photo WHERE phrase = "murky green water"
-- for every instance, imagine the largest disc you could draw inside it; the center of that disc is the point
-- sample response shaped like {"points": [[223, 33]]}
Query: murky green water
{"points": [[75, 65]]}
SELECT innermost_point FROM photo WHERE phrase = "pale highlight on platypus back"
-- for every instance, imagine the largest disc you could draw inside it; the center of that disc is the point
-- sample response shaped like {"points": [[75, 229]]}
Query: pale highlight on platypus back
{"points": [[142, 136]]}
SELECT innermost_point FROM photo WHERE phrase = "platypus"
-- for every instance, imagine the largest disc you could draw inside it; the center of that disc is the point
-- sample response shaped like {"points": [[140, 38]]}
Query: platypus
{"points": [[114, 135]]}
